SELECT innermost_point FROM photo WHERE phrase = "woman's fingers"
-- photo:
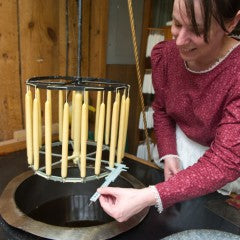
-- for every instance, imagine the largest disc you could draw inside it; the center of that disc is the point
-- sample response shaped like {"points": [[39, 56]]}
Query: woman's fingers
{"points": [[123, 203], [108, 191], [171, 167], [108, 198], [112, 207], [106, 204], [168, 174]]}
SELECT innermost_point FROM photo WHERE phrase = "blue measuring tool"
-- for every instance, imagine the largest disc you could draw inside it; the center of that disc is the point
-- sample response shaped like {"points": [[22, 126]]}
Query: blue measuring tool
{"points": [[115, 172]]}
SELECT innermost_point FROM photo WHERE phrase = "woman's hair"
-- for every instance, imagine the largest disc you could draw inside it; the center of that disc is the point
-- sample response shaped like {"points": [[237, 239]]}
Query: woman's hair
{"points": [[222, 10]]}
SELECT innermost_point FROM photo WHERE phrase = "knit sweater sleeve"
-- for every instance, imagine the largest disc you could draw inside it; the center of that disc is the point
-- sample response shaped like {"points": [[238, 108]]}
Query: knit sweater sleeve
{"points": [[218, 166], [164, 125]]}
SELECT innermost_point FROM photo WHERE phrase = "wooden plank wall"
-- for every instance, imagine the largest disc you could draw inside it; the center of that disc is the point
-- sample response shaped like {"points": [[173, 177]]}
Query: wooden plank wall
{"points": [[98, 39], [10, 86], [42, 44], [33, 42]]}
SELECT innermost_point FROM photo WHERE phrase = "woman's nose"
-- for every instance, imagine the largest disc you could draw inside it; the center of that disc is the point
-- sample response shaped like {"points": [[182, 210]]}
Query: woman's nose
{"points": [[182, 38]]}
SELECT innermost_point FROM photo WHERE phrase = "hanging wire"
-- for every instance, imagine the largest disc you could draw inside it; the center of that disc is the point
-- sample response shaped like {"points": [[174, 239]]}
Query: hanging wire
{"points": [[139, 78], [79, 37], [67, 35]]}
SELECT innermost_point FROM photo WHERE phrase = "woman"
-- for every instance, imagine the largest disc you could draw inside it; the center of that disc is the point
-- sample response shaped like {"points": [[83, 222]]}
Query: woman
{"points": [[197, 85]]}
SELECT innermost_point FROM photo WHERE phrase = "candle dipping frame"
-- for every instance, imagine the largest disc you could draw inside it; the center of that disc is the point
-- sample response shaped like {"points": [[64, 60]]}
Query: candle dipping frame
{"points": [[79, 89]]}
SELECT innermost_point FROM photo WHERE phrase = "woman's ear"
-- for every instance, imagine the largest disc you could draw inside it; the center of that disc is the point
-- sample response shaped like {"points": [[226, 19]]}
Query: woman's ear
{"points": [[232, 24]]}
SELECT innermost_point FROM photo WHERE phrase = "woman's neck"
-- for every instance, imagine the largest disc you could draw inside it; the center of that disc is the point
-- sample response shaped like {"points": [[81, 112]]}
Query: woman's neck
{"points": [[213, 59]]}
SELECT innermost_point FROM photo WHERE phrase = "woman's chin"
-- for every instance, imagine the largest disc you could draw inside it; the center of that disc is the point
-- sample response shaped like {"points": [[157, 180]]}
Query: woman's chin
{"points": [[186, 57]]}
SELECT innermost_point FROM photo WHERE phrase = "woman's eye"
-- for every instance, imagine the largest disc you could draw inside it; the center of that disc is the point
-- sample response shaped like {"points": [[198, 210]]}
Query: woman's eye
{"points": [[191, 30], [177, 25], [201, 31]]}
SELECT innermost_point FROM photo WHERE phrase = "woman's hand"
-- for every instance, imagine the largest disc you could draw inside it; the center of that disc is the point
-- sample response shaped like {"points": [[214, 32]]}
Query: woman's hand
{"points": [[171, 167], [123, 203]]}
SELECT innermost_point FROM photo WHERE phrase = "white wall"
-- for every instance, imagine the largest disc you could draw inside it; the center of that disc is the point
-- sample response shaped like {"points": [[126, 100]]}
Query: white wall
{"points": [[120, 47]]}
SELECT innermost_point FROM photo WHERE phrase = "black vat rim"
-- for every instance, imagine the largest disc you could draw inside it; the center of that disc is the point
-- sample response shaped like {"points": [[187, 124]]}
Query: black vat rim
{"points": [[16, 218]]}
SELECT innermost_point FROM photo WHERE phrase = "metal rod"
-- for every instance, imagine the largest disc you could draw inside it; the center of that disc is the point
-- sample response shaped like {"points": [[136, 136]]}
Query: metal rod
{"points": [[79, 37], [67, 36]]}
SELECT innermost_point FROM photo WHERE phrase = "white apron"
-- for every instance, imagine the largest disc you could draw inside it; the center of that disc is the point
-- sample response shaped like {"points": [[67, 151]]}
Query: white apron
{"points": [[189, 153]]}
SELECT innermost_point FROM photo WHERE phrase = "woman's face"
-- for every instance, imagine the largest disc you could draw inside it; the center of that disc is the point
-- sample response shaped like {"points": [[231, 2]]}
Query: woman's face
{"points": [[193, 49]]}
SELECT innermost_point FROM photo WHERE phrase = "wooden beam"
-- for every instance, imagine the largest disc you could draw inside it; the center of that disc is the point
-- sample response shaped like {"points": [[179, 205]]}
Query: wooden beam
{"points": [[19, 140], [11, 146], [142, 161]]}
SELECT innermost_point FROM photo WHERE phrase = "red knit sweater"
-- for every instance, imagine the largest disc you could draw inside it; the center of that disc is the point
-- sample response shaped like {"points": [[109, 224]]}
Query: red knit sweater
{"points": [[206, 106]]}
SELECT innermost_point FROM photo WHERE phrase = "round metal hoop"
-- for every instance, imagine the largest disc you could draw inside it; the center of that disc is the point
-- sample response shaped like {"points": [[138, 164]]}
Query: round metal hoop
{"points": [[76, 83]]}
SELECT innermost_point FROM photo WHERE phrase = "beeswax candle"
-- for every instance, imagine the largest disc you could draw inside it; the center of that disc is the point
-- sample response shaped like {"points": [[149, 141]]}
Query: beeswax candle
{"points": [[97, 115], [108, 117], [121, 130], [72, 114], [127, 106], [84, 140], [100, 139], [77, 123], [38, 96], [86, 97], [113, 135], [60, 114], [36, 134], [64, 165], [48, 133], [29, 123]]}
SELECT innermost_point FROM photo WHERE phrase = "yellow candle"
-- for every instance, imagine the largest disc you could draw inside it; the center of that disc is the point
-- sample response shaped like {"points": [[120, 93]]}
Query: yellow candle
{"points": [[118, 106], [29, 133], [86, 99], [84, 140], [118, 101], [121, 130], [48, 134], [60, 114], [72, 117], [38, 96], [100, 139], [77, 123], [127, 106], [97, 115], [113, 135], [49, 98], [108, 117], [35, 134], [64, 165]]}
